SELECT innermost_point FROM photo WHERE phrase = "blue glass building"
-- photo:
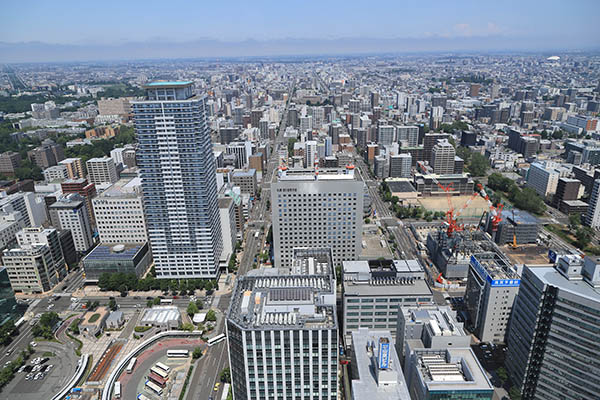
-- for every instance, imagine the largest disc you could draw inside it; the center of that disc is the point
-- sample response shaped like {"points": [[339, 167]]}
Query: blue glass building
{"points": [[177, 167]]}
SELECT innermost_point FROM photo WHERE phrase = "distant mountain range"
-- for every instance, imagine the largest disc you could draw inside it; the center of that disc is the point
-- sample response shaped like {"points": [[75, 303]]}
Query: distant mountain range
{"points": [[211, 48]]}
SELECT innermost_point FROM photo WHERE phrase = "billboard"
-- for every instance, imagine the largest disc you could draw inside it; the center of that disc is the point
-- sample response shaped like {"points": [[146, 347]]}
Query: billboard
{"points": [[384, 354]]}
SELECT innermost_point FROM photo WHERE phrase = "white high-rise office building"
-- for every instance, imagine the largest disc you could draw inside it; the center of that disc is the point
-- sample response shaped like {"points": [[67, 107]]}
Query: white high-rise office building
{"points": [[385, 134], [408, 136], [32, 210], [102, 170], [310, 153], [179, 184], [435, 119], [119, 212], [317, 209], [543, 178], [442, 157], [282, 331], [592, 217], [306, 123], [318, 117], [70, 212]]}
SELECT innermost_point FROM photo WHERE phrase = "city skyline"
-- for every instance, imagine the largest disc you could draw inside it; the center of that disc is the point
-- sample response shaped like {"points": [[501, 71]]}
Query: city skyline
{"points": [[245, 30]]}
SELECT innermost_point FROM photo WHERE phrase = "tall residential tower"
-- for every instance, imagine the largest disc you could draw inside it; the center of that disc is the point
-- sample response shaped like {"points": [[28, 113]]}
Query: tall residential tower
{"points": [[177, 167]]}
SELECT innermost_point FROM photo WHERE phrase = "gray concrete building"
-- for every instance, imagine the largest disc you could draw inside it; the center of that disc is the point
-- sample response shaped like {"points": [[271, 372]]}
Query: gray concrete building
{"points": [[454, 373], [321, 209], [400, 165], [442, 157], [555, 330], [375, 290], [70, 212], [428, 327], [246, 180], [492, 286], [376, 369]]}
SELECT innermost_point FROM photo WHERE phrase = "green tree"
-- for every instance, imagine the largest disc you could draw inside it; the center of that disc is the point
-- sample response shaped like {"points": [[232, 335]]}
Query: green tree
{"points": [[112, 304], [150, 303], [558, 134], [584, 236], [478, 164], [156, 301], [291, 143], [514, 393], [502, 374], [225, 375], [192, 309], [574, 221], [211, 316], [498, 182], [188, 327], [197, 353], [199, 304]]}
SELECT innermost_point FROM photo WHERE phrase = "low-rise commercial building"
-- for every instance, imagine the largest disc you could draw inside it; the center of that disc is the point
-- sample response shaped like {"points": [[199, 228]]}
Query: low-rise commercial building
{"points": [[453, 373], [429, 327], [162, 317], [94, 322], [129, 258]]}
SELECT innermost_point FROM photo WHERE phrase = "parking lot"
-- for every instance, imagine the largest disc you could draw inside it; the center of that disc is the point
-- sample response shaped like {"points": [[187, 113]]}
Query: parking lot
{"points": [[43, 379]]}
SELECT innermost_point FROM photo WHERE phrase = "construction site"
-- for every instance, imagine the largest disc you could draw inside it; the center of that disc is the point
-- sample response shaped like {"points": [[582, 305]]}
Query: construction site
{"points": [[451, 245]]}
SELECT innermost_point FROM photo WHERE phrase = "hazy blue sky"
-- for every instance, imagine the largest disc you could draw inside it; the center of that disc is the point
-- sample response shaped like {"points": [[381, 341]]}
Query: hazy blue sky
{"points": [[111, 22]]}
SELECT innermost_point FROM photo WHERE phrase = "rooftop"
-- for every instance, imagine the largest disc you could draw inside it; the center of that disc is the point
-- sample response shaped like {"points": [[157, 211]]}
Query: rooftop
{"points": [[154, 85], [516, 217], [551, 276], [322, 174], [375, 382], [160, 315], [440, 318], [400, 186], [251, 172], [450, 369], [302, 296], [495, 269], [126, 251], [90, 319]]}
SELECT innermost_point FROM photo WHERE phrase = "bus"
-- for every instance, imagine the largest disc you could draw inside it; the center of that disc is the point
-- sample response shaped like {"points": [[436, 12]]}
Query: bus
{"points": [[178, 353], [20, 322], [162, 366], [166, 301], [159, 372], [157, 379], [117, 390], [142, 396], [154, 387], [216, 339], [225, 391], [131, 365]]}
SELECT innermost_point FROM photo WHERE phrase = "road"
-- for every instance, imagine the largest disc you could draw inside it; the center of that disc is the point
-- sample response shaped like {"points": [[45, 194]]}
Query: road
{"points": [[383, 209], [207, 373], [260, 216], [209, 367]]}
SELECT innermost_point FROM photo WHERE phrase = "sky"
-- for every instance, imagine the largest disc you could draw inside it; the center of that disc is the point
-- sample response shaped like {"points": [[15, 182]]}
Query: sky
{"points": [[563, 24]]}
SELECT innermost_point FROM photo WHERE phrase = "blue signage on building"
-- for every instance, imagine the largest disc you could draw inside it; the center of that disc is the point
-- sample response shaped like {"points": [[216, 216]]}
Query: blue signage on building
{"points": [[384, 355], [493, 282]]}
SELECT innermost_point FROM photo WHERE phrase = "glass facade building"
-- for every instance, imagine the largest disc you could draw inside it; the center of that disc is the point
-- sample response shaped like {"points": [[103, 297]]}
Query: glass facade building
{"points": [[8, 303], [177, 168], [554, 332]]}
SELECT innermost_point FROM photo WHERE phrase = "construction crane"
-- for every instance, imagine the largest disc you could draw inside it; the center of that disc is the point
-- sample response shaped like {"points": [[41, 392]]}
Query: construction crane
{"points": [[495, 212], [514, 242]]}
